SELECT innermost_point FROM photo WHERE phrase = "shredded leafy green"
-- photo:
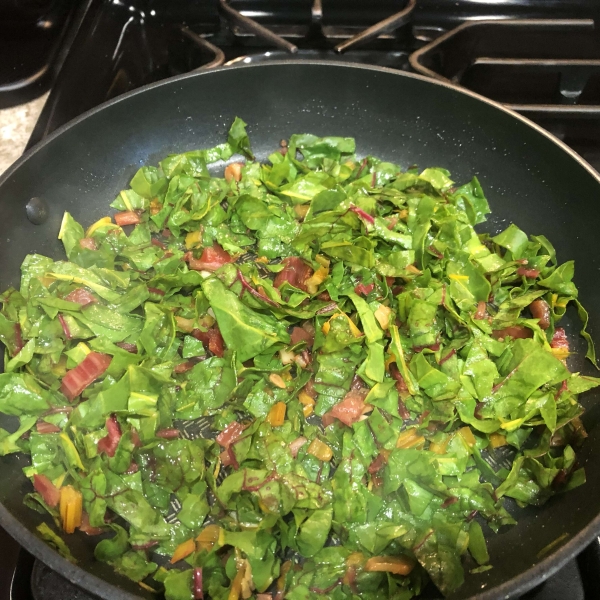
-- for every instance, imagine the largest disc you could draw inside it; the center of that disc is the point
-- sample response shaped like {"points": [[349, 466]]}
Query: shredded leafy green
{"points": [[310, 378]]}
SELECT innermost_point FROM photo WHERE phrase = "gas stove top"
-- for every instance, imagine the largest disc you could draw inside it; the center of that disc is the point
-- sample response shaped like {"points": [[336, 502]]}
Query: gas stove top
{"points": [[540, 57]]}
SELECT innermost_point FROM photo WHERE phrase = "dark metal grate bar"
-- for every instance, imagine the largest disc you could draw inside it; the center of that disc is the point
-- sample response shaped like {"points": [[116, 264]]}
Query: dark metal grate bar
{"points": [[545, 67], [386, 26], [219, 55], [256, 28]]}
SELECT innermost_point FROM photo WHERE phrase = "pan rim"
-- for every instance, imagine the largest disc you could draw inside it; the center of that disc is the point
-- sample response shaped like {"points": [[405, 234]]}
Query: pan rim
{"points": [[523, 582]]}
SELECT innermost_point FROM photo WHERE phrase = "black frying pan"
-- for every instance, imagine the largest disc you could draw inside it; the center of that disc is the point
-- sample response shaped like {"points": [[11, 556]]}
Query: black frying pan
{"points": [[529, 176]]}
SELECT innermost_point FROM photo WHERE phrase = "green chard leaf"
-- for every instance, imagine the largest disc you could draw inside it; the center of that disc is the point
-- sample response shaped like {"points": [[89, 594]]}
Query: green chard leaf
{"points": [[317, 362]]}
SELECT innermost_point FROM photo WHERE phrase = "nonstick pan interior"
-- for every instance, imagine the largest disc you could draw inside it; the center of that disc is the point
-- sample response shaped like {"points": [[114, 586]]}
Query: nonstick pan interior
{"points": [[529, 179]]}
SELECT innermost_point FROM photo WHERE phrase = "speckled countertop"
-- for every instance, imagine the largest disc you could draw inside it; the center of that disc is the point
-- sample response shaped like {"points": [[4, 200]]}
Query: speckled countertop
{"points": [[16, 125]]}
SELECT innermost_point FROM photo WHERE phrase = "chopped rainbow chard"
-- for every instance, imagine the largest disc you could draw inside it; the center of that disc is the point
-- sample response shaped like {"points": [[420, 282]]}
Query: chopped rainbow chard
{"points": [[289, 378]]}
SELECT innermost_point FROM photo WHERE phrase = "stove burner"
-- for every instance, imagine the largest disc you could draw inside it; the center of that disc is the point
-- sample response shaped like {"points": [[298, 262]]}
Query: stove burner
{"points": [[46, 584]]}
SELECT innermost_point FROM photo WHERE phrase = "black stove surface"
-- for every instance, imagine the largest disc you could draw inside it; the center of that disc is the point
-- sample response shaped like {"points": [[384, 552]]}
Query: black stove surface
{"points": [[129, 44], [32, 45]]}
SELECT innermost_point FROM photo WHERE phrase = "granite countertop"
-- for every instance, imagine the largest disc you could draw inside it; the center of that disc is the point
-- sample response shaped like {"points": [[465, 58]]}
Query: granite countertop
{"points": [[16, 125]]}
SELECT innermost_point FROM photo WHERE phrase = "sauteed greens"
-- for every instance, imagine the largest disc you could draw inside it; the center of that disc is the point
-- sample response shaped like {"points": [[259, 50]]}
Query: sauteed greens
{"points": [[297, 381]]}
